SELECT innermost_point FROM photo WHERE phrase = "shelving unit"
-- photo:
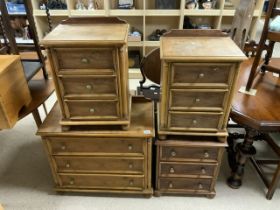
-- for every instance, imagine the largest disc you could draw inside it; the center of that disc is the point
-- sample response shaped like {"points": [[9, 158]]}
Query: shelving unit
{"points": [[146, 18]]}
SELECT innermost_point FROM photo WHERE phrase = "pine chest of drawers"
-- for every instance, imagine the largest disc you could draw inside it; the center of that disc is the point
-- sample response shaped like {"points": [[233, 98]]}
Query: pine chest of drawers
{"points": [[199, 73], [102, 161], [188, 166], [90, 71]]}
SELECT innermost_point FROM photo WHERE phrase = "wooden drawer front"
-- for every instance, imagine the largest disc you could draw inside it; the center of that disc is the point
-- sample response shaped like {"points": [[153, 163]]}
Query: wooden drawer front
{"points": [[171, 153], [96, 146], [87, 58], [89, 86], [100, 165], [183, 169], [185, 184], [197, 100], [194, 121], [86, 109], [216, 74], [103, 181]]}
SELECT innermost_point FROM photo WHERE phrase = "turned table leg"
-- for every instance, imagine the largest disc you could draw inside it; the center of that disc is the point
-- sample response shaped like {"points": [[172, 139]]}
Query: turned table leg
{"points": [[244, 150]]}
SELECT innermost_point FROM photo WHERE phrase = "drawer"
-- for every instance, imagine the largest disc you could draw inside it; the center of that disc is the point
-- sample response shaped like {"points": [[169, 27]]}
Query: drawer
{"points": [[195, 121], [184, 184], [199, 99], [179, 153], [200, 74], [120, 165], [91, 86], [96, 146], [120, 182], [84, 58], [92, 109], [185, 169]]}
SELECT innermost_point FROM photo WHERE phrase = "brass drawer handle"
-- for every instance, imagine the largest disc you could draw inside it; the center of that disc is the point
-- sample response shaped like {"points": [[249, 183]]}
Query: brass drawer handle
{"points": [[203, 170], [172, 171], [130, 147], [201, 75], [67, 165], [173, 153], [197, 100], [130, 166], [206, 154], [89, 87], [200, 186], [84, 60], [194, 122], [72, 182], [131, 182], [63, 147], [170, 185], [91, 110]]}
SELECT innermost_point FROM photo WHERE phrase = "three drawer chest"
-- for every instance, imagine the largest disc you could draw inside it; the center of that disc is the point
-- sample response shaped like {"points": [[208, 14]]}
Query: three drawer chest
{"points": [[89, 60], [104, 160]]}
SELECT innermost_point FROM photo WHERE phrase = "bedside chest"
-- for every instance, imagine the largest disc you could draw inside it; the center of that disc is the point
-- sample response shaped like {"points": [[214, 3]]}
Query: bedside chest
{"points": [[199, 73], [188, 166], [90, 70], [102, 160]]}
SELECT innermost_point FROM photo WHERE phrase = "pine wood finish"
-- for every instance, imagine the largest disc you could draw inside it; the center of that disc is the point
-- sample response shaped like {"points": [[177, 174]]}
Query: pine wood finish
{"points": [[197, 64], [90, 70], [14, 91], [188, 166], [102, 160]]}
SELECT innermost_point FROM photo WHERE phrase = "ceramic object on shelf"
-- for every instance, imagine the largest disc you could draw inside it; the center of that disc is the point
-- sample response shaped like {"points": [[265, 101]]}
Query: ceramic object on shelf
{"points": [[191, 4], [80, 5]]}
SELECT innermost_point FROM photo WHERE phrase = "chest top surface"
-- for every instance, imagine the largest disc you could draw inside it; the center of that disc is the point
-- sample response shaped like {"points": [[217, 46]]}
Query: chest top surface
{"points": [[6, 61], [195, 48], [142, 123], [79, 33]]}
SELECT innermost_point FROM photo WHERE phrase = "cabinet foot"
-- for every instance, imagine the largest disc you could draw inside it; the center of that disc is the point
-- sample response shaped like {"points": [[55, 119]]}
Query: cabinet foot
{"points": [[125, 127], [162, 137], [210, 196], [157, 194], [65, 128]]}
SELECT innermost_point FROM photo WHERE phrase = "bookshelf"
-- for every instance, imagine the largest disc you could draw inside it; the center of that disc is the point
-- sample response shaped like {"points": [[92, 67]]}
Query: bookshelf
{"points": [[146, 18]]}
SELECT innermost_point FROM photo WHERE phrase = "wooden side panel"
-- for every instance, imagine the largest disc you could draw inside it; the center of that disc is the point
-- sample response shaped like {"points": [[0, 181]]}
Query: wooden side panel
{"points": [[14, 93]]}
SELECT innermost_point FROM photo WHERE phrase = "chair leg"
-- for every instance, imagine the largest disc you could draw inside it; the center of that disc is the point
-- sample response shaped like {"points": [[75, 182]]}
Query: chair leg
{"points": [[255, 65], [268, 56], [273, 184], [45, 72], [37, 117]]}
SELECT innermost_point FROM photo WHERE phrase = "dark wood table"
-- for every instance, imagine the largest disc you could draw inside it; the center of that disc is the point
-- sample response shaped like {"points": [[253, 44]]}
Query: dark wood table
{"points": [[259, 114]]}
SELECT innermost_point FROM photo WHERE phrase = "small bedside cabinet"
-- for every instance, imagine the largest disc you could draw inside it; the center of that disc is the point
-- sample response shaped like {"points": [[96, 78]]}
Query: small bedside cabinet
{"points": [[199, 72], [89, 59], [188, 166]]}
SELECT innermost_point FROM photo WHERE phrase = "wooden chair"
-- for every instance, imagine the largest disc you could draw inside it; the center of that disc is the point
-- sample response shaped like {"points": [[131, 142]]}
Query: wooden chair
{"points": [[242, 21], [41, 88], [31, 66], [267, 36]]}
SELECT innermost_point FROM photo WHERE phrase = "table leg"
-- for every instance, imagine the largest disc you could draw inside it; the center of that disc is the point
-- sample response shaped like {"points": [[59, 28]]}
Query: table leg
{"points": [[244, 150]]}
